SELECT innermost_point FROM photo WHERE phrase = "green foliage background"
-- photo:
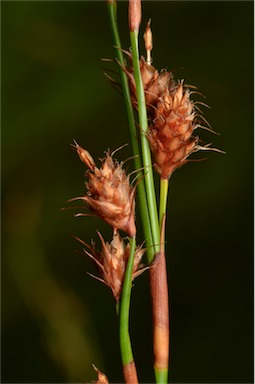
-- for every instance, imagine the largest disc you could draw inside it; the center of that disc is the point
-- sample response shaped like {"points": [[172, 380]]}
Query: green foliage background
{"points": [[56, 320]]}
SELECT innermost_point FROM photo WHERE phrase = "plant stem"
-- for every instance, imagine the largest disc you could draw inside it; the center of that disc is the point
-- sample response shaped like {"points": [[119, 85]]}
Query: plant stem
{"points": [[158, 273], [160, 317], [129, 368], [142, 113], [158, 276], [160, 309], [163, 199], [112, 7]]}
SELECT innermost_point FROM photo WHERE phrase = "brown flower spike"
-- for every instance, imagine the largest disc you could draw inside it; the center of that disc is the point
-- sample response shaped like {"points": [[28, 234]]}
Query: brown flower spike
{"points": [[171, 112], [170, 135], [109, 193], [112, 262]]}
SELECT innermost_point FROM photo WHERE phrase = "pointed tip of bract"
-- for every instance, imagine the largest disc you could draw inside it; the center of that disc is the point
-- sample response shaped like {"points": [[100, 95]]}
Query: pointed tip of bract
{"points": [[101, 377], [84, 155]]}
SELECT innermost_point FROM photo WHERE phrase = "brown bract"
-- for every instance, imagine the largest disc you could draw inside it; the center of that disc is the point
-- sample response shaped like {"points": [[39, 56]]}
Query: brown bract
{"points": [[112, 262], [109, 193]]}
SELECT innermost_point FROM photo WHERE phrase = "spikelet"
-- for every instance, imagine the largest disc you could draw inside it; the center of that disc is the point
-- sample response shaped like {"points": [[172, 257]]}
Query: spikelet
{"points": [[171, 113], [154, 83], [171, 133], [109, 193], [112, 262]]}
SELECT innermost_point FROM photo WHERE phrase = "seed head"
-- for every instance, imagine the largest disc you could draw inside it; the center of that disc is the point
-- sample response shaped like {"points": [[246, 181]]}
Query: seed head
{"points": [[112, 262], [109, 193], [170, 135]]}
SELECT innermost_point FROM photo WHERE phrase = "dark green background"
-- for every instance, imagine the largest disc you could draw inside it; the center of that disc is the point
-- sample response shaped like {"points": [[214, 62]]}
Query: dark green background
{"points": [[56, 320]]}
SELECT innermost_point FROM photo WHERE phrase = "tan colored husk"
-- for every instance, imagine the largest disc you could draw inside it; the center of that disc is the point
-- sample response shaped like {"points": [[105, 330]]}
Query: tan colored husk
{"points": [[109, 193], [112, 262]]}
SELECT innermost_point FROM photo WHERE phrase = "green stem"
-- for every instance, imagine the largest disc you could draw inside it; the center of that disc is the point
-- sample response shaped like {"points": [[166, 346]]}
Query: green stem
{"points": [[161, 376], [142, 113], [163, 199], [125, 344], [112, 7]]}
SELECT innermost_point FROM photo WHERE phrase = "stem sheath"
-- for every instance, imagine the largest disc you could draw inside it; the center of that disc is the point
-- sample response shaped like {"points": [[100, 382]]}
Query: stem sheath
{"points": [[160, 316], [159, 294]]}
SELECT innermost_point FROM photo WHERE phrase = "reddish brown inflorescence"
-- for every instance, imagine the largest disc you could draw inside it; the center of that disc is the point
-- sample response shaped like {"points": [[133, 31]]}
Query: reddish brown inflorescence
{"points": [[172, 115], [171, 133], [109, 193], [112, 262]]}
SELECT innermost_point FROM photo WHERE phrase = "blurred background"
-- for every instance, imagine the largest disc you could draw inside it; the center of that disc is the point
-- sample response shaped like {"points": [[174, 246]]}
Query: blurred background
{"points": [[56, 320]]}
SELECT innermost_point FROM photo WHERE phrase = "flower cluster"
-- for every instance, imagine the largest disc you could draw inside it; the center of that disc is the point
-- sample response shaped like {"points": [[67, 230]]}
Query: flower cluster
{"points": [[171, 132], [112, 260], [172, 115], [111, 197], [109, 193]]}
